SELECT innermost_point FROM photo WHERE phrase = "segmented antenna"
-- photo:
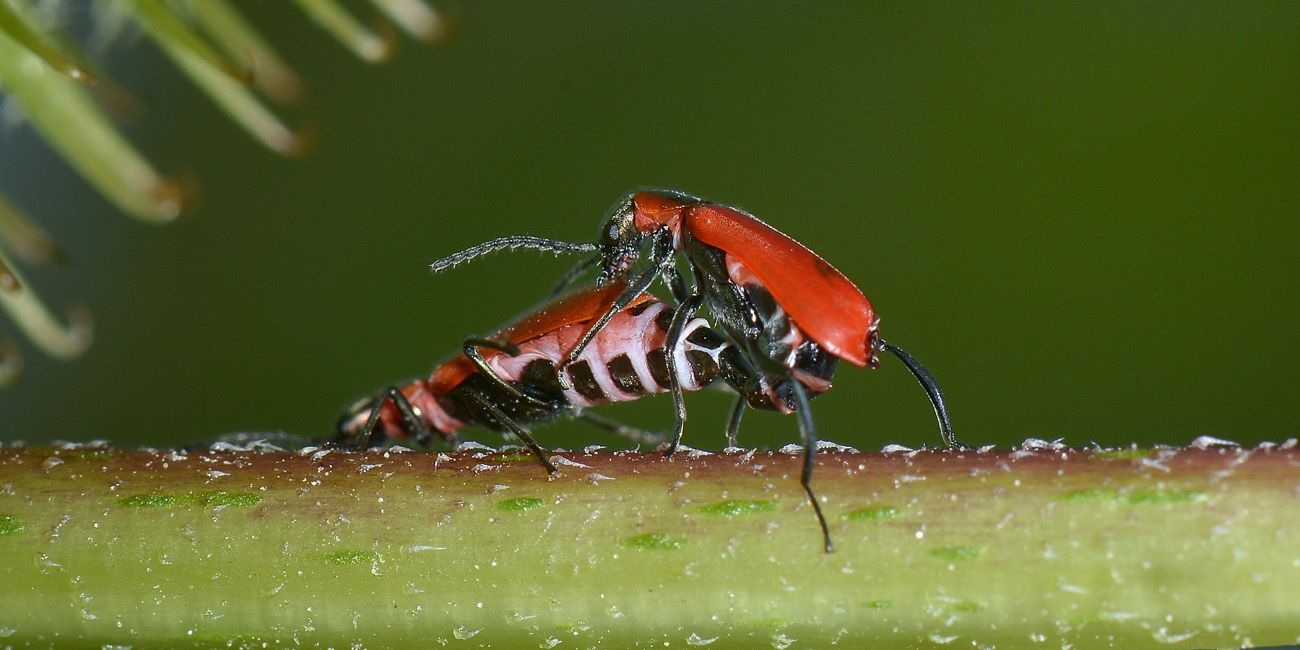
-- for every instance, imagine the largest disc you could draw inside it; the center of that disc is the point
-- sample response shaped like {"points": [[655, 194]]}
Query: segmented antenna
{"points": [[516, 241], [932, 389]]}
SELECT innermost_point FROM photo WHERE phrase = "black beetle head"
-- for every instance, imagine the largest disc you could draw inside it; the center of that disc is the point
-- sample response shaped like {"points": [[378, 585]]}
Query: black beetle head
{"points": [[620, 241]]}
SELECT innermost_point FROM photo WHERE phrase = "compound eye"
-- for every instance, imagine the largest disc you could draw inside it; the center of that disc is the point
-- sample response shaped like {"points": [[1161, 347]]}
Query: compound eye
{"points": [[620, 225]]}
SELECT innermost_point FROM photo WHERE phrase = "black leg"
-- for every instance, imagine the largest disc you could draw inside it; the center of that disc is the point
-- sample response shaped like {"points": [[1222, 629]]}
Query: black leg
{"points": [[932, 389], [676, 284], [733, 420], [684, 313], [475, 357], [804, 413], [639, 436], [416, 427], [514, 428], [662, 256], [638, 285], [508, 348]]}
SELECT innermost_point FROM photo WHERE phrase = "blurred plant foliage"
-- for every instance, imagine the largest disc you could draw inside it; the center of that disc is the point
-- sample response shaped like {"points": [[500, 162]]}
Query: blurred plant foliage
{"points": [[50, 79]]}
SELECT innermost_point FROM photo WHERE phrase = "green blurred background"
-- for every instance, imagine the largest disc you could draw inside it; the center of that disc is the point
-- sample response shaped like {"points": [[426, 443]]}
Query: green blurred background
{"points": [[1081, 218]]}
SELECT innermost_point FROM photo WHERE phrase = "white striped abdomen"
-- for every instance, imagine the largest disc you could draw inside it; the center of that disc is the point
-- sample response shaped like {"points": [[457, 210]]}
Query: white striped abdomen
{"points": [[626, 360]]}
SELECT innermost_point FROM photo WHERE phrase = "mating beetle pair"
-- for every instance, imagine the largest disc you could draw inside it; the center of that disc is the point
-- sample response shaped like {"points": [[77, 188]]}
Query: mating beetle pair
{"points": [[784, 317]]}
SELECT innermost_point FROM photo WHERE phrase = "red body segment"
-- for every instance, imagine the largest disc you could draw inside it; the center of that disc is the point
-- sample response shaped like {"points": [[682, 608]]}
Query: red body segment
{"points": [[824, 303]]}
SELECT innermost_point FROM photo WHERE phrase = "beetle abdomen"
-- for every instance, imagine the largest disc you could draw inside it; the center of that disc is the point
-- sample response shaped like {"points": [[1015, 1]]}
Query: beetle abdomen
{"points": [[627, 359]]}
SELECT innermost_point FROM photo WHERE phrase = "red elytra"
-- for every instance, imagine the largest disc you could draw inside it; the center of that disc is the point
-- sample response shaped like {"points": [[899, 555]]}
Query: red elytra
{"points": [[577, 307], [824, 303]]}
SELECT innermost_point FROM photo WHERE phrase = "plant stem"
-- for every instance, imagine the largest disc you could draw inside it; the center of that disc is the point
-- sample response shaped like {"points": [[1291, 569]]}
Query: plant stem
{"points": [[1190, 548]]}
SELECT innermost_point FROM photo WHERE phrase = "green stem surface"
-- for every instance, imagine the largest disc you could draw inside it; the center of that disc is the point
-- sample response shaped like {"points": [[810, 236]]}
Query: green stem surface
{"points": [[1190, 548]]}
